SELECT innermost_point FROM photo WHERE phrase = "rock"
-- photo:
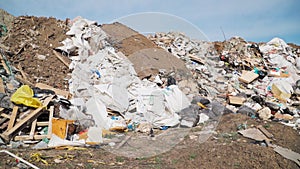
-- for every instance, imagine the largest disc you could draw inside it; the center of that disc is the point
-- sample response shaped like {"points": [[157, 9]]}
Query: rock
{"points": [[265, 113]]}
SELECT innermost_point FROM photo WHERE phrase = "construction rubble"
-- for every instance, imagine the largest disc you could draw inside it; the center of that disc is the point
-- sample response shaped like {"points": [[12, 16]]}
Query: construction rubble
{"points": [[74, 82]]}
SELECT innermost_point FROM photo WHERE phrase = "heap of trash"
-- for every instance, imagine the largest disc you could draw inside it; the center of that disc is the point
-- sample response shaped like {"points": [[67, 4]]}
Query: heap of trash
{"points": [[75, 82]]}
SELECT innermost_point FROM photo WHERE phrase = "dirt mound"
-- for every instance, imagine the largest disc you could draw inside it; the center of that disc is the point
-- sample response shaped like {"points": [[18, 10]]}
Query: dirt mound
{"points": [[31, 42], [145, 55]]}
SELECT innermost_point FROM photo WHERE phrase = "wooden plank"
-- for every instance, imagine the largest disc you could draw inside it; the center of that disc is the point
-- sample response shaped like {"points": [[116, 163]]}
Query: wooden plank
{"points": [[196, 59], [5, 115], [29, 118], [248, 76], [32, 131], [2, 88], [13, 117], [57, 91], [42, 123], [27, 137], [266, 132], [39, 123], [61, 58], [50, 121]]}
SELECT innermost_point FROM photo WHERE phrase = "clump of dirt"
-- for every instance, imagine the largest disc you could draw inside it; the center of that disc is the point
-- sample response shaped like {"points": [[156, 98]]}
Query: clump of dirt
{"points": [[31, 42]]}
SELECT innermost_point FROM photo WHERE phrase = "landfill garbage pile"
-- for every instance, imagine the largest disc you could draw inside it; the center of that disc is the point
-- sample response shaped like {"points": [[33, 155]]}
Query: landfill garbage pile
{"points": [[105, 93], [77, 83], [260, 80]]}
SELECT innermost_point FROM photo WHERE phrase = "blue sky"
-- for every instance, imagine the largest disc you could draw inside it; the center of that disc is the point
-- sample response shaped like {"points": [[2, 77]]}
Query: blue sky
{"points": [[254, 20]]}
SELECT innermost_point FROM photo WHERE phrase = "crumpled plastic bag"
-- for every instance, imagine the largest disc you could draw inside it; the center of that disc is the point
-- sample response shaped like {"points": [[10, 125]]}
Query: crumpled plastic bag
{"points": [[24, 95]]}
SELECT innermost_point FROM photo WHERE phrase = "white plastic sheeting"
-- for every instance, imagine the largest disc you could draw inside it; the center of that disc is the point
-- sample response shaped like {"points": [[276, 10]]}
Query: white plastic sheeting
{"points": [[280, 54], [104, 79]]}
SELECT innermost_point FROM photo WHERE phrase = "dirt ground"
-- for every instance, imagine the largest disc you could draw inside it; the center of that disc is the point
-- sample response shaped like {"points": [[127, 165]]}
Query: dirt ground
{"points": [[224, 149]]}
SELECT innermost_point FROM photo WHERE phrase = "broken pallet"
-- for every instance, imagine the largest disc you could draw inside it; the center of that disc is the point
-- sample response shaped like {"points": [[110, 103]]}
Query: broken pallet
{"points": [[15, 126], [32, 135]]}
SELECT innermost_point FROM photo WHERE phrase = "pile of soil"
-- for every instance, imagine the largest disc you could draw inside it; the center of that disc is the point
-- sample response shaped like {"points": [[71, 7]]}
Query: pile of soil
{"points": [[31, 42], [146, 56]]}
